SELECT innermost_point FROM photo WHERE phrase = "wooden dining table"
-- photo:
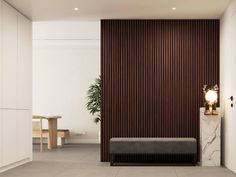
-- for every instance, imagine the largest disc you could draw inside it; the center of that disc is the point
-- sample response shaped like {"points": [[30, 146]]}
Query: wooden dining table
{"points": [[52, 128]]}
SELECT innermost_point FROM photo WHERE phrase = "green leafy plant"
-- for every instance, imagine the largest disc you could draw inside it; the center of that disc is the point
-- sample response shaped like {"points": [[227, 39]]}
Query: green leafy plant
{"points": [[94, 99]]}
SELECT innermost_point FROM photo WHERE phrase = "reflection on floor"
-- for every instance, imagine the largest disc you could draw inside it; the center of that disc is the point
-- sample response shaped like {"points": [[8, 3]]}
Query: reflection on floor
{"points": [[83, 161]]}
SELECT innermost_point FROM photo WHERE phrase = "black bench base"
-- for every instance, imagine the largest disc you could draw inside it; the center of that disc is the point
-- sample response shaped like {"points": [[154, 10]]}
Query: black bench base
{"points": [[153, 159]]}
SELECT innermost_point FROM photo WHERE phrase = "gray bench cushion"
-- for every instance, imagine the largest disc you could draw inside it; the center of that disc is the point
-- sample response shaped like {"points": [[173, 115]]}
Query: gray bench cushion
{"points": [[153, 146]]}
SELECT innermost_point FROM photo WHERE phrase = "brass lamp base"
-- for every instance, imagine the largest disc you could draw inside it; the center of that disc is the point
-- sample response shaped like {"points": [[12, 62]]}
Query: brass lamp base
{"points": [[209, 112], [214, 112]]}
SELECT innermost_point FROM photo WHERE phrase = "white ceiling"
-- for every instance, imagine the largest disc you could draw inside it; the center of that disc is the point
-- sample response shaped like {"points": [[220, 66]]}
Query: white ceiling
{"points": [[47, 10]]}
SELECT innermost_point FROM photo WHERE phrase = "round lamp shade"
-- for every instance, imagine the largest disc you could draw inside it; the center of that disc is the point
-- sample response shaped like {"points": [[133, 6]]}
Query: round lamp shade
{"points": [[211, 96]]}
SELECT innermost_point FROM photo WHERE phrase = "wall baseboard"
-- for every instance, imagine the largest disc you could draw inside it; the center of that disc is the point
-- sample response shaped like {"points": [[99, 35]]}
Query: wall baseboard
{"points": [[14, 165], [71, 141], [82, 141]]}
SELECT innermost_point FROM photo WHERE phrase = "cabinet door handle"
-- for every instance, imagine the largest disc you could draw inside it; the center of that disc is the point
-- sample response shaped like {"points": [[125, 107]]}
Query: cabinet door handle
{"points": [[232, 99]]}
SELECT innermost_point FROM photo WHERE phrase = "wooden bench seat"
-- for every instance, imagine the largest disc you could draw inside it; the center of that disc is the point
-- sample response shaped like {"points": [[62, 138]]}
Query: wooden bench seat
{"points": [[61, 133]]}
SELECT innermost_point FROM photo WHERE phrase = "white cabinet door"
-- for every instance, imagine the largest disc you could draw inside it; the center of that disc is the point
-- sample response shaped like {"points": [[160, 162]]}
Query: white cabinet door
{"points": [[23, 134], [24, 67], [1, 137], [15, 136], [9, 56], [9, 133], [15, 86], [1, 67]]}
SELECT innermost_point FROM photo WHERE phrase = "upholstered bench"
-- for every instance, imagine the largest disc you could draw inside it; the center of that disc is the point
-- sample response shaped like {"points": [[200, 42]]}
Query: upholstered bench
{"points": [[119, 146]]}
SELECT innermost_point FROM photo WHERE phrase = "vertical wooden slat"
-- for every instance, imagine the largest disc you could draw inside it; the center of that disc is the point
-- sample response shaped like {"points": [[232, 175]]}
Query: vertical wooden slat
{"points": [[152, 74]]}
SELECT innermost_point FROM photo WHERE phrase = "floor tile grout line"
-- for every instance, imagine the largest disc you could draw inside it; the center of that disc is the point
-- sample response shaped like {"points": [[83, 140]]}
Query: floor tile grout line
{"points": [[176, 173], [119, 168]]}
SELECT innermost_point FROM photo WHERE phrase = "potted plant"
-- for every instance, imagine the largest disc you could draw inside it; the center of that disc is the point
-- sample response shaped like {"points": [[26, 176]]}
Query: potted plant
{"points": [[94, 101]]}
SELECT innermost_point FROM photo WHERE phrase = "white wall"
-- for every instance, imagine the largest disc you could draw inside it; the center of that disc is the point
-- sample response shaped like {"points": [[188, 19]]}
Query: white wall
{"points": [[228, 83], [66, 60]]}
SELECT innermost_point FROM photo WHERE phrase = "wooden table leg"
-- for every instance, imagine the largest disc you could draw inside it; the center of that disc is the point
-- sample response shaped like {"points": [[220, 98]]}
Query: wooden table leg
{"points": [[52, 139]]}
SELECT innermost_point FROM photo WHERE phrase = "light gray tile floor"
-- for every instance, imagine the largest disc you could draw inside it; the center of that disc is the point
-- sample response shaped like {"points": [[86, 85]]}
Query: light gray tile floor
{"points": [[83, 161]]}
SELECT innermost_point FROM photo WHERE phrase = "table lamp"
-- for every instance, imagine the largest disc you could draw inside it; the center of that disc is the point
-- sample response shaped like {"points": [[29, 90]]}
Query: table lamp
{"points": [[211, 97]]}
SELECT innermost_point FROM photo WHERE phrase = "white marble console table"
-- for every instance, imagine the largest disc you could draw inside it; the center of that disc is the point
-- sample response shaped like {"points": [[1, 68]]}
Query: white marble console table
{"points": [[210, 139]]}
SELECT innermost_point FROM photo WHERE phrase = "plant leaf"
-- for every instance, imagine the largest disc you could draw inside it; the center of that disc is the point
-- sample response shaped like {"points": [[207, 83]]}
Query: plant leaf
{"points": [[93, 104]]}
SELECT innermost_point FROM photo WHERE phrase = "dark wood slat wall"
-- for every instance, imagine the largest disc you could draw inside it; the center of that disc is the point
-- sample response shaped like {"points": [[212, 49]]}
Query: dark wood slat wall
{"points": [[152, 77]]}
